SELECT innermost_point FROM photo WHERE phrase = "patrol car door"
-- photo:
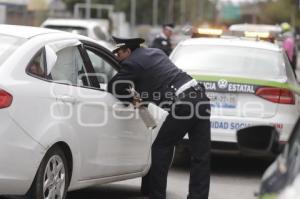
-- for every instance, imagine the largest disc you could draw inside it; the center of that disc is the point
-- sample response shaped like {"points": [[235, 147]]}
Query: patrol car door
{"points": [[124, 142]]}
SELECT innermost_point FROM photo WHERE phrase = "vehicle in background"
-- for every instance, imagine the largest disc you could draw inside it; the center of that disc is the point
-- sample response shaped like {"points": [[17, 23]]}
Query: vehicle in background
{"points": [[64, 130], [282, 179], [207, 32], [95, 29], [265, 32], [249, 83]]}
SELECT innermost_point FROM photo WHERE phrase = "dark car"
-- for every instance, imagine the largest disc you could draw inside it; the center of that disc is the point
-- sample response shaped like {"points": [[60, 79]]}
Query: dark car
{"points": [[282, 179]]}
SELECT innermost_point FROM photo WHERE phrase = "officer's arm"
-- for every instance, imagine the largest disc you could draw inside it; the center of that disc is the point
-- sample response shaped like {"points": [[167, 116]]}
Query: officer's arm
{"points": [[122, 81]]}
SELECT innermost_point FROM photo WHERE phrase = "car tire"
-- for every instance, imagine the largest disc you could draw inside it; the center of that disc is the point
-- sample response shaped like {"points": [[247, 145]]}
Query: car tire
{"points": [[52, 176]]}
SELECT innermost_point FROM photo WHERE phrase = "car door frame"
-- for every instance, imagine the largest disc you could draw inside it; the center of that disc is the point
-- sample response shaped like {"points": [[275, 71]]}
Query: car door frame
{"points": [[138, 142]]}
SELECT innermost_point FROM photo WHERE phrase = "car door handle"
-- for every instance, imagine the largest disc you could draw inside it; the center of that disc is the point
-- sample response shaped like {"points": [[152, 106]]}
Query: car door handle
{"points": [[67, 99]]}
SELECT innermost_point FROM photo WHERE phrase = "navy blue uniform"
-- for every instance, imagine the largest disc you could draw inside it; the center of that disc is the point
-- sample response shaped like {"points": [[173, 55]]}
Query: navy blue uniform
{"points": [[151, 71], [163, 44]]}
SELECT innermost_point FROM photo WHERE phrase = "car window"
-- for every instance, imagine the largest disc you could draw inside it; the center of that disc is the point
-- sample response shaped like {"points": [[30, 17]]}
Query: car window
{"points": [[36, 66], [103, 69], [227, 60], [99, 33], [69, 67], [8, 45]]}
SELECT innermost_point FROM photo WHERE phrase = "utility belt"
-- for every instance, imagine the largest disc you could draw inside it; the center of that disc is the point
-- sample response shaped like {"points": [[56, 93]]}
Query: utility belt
{"points": [[190, 89], [187, 89]]}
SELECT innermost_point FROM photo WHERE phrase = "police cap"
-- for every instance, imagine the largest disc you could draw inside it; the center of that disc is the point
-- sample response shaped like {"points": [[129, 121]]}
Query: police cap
{"points": [[126, 43]]}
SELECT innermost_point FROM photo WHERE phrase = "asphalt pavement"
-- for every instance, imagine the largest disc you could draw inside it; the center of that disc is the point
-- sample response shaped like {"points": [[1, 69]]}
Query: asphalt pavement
{"points": [[232, 178]]}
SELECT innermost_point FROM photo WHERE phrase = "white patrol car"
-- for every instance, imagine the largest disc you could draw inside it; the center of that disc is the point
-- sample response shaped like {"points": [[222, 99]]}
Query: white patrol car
{"points": [[249, 83]]}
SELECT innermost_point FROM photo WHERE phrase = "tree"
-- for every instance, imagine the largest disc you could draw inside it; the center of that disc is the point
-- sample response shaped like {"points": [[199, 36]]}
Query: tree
{"points": [[275, 12], [145, 9]]}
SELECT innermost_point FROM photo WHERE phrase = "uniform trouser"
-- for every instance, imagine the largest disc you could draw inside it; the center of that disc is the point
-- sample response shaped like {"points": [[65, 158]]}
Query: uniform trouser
{"points": [[172, 131]]}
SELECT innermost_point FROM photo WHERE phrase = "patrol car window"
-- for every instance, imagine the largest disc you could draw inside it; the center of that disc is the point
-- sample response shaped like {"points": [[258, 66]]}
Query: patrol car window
{"points": [[226, 60], [36, 66], [8, 45], [69, 67], [103, 69]]}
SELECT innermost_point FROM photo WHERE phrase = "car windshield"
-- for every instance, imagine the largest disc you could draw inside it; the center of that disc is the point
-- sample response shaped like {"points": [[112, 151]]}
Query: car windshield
{"points": [[230, 60], [71, 29], [8, 45]]}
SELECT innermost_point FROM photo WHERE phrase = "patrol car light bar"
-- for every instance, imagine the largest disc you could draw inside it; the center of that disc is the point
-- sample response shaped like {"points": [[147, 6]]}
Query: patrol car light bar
{"points": [[257, 34], [210, 31]]}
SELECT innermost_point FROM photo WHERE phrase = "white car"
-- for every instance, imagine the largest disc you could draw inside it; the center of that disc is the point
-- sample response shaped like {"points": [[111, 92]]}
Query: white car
{"points": [[95, 29], [249, 83], [60, 130]]}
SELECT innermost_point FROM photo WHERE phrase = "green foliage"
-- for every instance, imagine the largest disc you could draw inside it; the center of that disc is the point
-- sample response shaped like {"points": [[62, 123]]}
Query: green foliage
{"points": [[145, 9], [275, 12]]}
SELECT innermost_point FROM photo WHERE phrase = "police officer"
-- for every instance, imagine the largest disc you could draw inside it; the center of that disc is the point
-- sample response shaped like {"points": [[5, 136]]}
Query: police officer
{"points": [[152, 72], [162, 41]]}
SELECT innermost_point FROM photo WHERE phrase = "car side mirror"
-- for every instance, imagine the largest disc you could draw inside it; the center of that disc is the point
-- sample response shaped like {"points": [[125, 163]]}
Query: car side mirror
{"points": [[259, 141]]}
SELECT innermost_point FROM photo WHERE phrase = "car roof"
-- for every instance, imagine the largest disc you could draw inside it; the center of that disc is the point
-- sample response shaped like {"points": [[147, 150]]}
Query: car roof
{"points": [[72, 22], [232, 41], [25, 32], [255, 27]]}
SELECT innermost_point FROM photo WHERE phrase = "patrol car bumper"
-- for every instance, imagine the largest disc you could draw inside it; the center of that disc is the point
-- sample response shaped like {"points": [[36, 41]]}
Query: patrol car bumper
{"points": [[223, 131]]}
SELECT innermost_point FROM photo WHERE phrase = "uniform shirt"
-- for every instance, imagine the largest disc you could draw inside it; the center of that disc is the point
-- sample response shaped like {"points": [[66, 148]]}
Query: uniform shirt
{"points": [[163, 43], [151, 72]]}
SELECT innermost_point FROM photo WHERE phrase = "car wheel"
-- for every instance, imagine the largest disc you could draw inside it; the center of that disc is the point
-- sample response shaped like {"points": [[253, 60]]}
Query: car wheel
{"points": [[52, 178]]}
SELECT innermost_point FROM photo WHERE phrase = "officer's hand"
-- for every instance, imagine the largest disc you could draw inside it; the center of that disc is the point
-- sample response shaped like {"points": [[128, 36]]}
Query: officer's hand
{"points": [[137, 102]]}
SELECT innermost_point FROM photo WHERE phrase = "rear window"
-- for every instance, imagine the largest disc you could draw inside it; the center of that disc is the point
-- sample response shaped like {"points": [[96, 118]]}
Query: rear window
{"points": [[8, 44], [71, 29], [227, 60]]}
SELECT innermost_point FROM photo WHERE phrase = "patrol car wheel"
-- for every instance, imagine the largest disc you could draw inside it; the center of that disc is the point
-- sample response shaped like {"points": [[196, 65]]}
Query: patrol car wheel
{"points": [[52, 177]]}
